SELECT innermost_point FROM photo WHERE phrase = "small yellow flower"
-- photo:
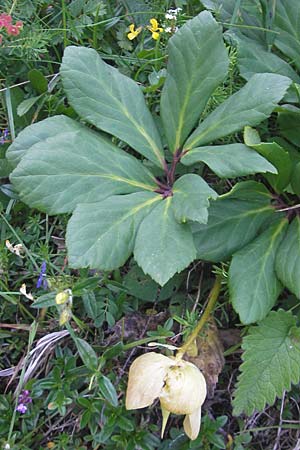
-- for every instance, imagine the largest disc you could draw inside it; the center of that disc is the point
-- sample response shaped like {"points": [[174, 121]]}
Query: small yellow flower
{"points": [[179, 385], [63, 297], [155, 29], [133, 33]]}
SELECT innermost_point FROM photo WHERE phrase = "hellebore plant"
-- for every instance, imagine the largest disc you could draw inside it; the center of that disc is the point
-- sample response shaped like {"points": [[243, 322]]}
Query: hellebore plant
{"points": [[122, 204]]}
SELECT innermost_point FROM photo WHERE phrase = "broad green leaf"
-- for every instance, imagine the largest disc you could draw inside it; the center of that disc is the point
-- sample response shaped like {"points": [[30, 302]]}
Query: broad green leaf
{"points": [[276, 155], [249, 106], [74, 167], [191, 196], [288, 258], [87, 354], [197, 64], [287, 19], [108, 390], [254, 58], [163, 246], [234, 220], [110, 101], [271, 362], [253, 284], [229, 161], [289, 124], [101, 235], [39, 132], [295, 181]]}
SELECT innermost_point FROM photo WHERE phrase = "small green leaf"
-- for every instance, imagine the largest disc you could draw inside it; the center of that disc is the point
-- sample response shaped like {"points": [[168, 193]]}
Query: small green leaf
{"points": [[61, 171], [38, 81], [110, 101], [271, 363], [234, 220], [249, 106], [101, 235], [44, 301], [288, 258], [163, 246], [27, 104], [190, 198], [87, 354], [229, 161], [108, 390], [275, 154], [253, 284], [197, 64]]}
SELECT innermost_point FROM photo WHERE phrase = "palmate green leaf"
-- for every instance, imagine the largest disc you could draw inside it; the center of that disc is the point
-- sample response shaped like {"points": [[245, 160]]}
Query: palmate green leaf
{"points": [[274, 153], [254, 58], [228, 161], [77, 166], [234, 220], [110, 101], [287, 263], [295, 181], [271, 362], [197, 64], [102, 235], [39, 132], [249, 106], [253, 284], [191, 196], [163, 246], [287, 19], [289, 124]]}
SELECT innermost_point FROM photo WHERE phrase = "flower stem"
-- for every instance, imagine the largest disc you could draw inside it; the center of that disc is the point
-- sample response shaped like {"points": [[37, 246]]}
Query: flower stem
{"points": [[212, 299]]}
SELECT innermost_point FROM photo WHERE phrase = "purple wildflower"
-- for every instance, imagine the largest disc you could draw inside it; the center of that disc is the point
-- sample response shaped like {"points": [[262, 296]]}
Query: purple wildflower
{"points": [[4, 136], [23, 400], [21, 408], [42, 280]]}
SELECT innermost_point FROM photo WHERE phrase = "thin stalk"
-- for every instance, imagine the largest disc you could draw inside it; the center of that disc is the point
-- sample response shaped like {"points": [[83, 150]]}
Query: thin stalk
{"points": [[64, 21], [212, 299], [12, 7]]}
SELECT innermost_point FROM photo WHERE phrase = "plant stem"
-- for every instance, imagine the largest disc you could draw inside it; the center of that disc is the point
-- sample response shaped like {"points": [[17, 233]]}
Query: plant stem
{"points": [[212, 299], [12, 7], [64, 22]]}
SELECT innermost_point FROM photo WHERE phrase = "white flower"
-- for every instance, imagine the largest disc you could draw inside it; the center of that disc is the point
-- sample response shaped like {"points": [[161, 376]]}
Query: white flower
{"points": [[170, 16], [179, 385], [16, 249], [25, 293], [168, 30]]}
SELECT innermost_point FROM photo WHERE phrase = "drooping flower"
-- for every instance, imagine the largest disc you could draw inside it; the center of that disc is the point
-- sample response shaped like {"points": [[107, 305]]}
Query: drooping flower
{"points": [[5, 20], [179, 385], [155, 29], [133, 32], [12, 30]]}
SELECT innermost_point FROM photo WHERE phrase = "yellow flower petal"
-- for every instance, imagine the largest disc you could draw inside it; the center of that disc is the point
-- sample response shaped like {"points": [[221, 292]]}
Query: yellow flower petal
{"points": [[154, 23], [133, 33], [155, 35], [146, 379], [63, 297], [191, 424]]}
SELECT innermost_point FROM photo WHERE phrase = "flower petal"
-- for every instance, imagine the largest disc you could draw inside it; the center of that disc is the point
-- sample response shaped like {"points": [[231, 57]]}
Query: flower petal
{"points": [[184, 390], [146, 379], [191, 424]]}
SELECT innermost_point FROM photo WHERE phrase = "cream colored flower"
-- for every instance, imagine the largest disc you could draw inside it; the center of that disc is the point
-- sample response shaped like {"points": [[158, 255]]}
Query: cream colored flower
{"points": [[179, 385], [24, 292], [16, 249]]}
